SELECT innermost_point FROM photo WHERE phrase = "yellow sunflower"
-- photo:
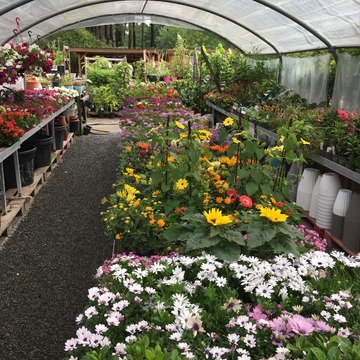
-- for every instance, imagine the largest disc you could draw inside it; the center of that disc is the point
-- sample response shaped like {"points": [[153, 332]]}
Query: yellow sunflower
{"points": [[215, 217], [273, 214], [181, 184], [228, 121]]}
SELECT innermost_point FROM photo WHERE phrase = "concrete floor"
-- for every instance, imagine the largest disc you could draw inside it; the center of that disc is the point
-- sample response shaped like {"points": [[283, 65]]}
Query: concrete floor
{"points": [[103, 125]]}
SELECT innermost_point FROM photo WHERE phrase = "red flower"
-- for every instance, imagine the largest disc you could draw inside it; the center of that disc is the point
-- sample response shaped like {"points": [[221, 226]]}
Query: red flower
{"points": [[232, 195], [245, 201]]}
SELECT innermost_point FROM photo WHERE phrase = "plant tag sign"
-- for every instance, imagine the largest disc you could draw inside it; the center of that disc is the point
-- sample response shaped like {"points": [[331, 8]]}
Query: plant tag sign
{"points": [[243, 110], [235, 107]]}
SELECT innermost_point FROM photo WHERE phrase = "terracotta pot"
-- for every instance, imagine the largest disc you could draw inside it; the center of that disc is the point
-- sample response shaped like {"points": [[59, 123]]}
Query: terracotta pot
{"points": [[32, 85]]}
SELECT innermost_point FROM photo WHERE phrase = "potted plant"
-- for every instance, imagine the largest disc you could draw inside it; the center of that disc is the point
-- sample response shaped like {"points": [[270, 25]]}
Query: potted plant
{"points": [[67, 81], [111, 100]]}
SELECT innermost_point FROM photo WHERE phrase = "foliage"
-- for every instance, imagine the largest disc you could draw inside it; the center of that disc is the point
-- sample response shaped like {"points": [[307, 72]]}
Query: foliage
{"points": [[182, 307], [180, 171], [168, 35]]}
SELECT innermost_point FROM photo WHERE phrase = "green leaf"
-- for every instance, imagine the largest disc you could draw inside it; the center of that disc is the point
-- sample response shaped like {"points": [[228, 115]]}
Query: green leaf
{"points": [[243, 173], [251, 187], [258, 236], [233, 236], [149, 354], [285, 246], [227, 251], [165, 188], [316, 353], [172, 233], [257, 175], [201, 240], [334, 353], [266, 189]]}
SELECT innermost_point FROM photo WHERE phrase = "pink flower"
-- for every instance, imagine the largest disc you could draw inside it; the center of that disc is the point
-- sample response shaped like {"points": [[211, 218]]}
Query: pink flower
{"points": [[301, 325], [245, 201]]}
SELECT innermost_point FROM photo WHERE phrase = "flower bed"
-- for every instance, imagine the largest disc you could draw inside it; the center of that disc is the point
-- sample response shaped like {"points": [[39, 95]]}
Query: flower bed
{"points": [[201, 308], [223, 269]]}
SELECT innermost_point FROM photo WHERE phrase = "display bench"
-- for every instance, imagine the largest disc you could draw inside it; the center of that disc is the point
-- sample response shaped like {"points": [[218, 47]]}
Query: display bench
{"points": [[346, 173], [12, 150]]}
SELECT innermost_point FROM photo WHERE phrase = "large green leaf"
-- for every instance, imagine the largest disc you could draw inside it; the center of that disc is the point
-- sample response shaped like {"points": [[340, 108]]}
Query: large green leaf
{"points": [[251, 187], [233, 236], [201, 240], [316, 354], [284, 246], [176, 231], [227, 251], [243, 173], [257, 175], [258, 236]]}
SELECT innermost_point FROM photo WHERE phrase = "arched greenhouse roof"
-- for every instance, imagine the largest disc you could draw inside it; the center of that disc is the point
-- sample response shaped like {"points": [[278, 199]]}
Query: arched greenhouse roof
{"points": [[254, 26]]}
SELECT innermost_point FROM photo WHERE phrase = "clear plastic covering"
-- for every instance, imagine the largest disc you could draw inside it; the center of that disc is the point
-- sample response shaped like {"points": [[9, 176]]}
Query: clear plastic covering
{"points": [[258, 26], [346, 93], [307, 77]]}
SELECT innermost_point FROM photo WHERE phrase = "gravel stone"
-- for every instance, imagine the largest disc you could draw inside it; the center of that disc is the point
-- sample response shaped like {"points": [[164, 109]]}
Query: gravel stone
{"points": [[49, 262]]}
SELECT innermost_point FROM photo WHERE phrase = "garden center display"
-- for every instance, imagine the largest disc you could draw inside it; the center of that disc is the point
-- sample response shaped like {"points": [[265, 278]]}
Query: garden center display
{"points": [[233, 219]]}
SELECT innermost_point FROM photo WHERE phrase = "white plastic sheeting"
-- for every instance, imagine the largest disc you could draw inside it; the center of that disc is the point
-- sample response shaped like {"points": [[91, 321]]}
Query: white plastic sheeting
{"points": [[254, 26], [307, 77], [346, 94]]}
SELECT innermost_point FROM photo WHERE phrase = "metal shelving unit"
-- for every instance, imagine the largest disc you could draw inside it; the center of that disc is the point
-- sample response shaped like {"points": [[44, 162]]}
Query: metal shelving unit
{"points": [[13, 151]]}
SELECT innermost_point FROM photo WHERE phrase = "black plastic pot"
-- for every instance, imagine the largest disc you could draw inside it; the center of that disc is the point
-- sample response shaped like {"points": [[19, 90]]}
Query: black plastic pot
{"points": [[26, 155], [59, 136], [43, 145]]}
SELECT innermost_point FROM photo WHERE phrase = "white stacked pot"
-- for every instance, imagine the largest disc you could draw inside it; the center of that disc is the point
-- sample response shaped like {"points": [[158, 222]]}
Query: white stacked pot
{"points": [[305, 187], [314, 198], [341, 206], [329, 187]]}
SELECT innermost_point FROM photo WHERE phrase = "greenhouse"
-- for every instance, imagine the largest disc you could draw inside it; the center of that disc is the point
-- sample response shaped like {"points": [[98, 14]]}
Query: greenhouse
{"points": [[199, 201]]}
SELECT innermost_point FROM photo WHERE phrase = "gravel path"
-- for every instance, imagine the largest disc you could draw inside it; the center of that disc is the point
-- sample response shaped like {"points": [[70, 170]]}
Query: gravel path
{"points": [[49, 262]]}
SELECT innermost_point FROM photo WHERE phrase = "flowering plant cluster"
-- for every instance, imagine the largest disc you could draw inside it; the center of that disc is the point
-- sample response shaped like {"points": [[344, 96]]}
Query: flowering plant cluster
{"points": [[21, 110], [16, 60], [13, 125], [221, 99], [69, 93], [182, 307], [200, 189]]}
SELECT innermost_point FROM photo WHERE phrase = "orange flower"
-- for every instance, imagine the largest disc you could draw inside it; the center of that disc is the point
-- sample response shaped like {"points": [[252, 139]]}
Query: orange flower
{"points": [[227, 200], [160, 223], [219, 200], [143, 145]]}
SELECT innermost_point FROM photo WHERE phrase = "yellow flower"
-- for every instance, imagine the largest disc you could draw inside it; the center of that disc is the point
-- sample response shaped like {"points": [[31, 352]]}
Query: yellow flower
{"points": [[228, 121], [215, 217], [304, 142], [273, 214], [170, 159], [129, 172], [181, 184], [235, 140], [128, 148], [180, 125]]}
